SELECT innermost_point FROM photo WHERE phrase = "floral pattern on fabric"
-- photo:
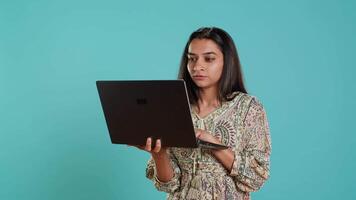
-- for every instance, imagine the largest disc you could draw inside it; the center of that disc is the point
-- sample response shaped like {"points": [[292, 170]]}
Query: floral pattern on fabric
{"points": [[240, 124]]}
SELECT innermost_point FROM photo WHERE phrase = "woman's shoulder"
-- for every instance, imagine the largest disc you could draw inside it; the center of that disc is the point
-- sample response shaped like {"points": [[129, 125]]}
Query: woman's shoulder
{"points": [[242, 97], [245, 102]]}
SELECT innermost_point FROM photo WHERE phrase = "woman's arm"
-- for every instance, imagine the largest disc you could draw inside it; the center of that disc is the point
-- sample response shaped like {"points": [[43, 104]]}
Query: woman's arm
{"points": [[162, 168], [225, 156], [164, 171], [250, 167]]}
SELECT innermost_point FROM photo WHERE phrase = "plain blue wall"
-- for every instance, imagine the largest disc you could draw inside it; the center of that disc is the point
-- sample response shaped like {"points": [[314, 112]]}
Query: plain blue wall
{"points": [[298, 58]]}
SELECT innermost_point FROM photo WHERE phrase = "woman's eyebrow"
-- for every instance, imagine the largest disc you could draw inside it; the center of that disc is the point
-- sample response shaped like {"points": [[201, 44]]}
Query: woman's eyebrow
{"points": [[205, 53], [210, 52]]}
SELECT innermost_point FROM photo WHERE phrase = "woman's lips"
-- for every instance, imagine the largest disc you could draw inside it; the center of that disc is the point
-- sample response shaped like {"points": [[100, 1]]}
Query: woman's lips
{"points": [[198, 77]]}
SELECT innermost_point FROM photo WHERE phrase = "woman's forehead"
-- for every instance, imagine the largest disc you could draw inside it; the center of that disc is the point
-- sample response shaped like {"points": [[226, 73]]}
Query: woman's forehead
{"points": [[203, 46]]}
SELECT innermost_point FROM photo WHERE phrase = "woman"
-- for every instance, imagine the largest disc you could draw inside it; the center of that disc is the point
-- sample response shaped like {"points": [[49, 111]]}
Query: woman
{"points": [[222, 113]]}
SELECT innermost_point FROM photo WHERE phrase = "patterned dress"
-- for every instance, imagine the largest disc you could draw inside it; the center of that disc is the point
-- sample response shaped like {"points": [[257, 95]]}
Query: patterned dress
{"points": [[241, 124]]}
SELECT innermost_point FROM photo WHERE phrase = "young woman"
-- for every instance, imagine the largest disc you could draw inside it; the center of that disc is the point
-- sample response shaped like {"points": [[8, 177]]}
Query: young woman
{"points": [[222, 113]]}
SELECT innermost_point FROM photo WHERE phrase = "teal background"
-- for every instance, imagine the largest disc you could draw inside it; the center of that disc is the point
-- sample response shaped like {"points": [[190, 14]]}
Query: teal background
{"points": [[298, 58]]}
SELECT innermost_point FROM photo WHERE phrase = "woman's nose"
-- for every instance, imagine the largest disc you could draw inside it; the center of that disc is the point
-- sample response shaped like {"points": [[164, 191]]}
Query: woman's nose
{"points": [[198, 66]]}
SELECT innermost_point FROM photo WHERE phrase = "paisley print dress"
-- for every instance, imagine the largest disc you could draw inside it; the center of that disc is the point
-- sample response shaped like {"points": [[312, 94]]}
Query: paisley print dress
{"points": [[241, 124]]}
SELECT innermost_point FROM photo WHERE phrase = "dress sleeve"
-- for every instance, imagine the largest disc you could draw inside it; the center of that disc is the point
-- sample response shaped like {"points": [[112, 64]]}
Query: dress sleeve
{"points": [[170, 186], [251, 165]]}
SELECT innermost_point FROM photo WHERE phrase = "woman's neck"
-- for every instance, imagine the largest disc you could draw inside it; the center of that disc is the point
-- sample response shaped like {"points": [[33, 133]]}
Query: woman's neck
{"points": [[208, 97]]}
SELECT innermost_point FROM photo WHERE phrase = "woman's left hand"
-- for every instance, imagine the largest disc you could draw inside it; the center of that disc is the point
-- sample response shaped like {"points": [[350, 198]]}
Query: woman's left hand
{"points": [[205, 136]]}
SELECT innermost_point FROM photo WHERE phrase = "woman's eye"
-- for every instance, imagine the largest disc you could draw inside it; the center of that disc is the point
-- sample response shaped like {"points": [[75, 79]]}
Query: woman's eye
{"points": [[191, 59], [209, 59]]}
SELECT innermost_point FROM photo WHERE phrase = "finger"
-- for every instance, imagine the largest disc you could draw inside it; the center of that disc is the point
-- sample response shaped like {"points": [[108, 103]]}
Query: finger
{"points": [[158, 146], [197, 133], [148, 146]]}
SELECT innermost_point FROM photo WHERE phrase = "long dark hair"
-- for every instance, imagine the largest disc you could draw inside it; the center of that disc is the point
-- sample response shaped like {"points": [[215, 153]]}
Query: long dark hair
{"points": [[231, 78]]}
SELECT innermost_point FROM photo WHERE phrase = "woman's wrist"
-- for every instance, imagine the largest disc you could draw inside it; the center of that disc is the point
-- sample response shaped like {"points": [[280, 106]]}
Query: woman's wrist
{"points": [[161, 154], [225, 156]]}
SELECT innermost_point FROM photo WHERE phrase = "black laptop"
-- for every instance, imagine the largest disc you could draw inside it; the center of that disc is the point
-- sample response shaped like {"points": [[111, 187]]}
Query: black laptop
{"points": [[160, 109]]}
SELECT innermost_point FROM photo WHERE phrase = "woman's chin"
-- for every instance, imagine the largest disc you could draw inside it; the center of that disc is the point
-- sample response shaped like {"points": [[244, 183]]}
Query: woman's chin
{"points": [[203, 85], [200, 84]]}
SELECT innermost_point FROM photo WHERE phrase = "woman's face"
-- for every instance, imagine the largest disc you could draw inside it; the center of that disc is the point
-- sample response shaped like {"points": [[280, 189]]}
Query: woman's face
{"points": [[205, 63]]}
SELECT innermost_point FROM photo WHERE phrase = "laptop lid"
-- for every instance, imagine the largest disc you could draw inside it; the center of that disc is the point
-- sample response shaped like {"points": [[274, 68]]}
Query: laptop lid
{"points": [[135, 110]]}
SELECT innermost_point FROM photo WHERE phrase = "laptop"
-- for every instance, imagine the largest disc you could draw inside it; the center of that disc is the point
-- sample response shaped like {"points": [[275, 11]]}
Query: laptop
{"points": [[137, 109]]}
